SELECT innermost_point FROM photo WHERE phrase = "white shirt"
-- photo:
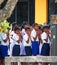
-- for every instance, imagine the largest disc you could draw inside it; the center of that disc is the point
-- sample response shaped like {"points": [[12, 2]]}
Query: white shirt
{"points": [[44, 36], [15, 38], [25, 38], [40, 48], [3, 37], [33, 35], [23, 32], [11, 33]]}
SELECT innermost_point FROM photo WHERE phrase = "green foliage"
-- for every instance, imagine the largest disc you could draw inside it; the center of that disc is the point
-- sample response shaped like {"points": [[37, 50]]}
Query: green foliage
{"points": [[4, 26]]}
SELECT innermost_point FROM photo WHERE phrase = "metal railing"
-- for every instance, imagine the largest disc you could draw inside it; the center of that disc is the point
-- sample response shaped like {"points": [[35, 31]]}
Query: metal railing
{"points": [[51, 59]]}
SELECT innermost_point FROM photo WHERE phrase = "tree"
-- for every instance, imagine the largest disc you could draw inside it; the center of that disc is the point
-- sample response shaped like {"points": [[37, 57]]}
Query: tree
{"points": [[6, 11]]}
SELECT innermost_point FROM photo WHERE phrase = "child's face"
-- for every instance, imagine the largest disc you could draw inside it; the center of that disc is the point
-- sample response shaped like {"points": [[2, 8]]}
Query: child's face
{"points": [[39, 31], [17, 31], [46, 30], [26, 25], [36, 27], [28, 32]]}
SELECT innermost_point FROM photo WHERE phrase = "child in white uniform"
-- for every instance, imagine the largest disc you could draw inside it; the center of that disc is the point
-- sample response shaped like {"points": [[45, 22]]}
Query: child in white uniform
{"points": [[27, 42], [40, 40], [17, 39], [35, 40], [22, 52], [45, 51], [17, 42], [11, 43], [4, 45], [46, 42], [11, 33]]}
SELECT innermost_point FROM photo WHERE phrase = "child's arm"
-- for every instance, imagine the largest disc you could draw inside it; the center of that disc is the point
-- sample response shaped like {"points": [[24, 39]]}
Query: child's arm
{"points": [[20, 39], [40, 39], [46, 39], [27, 40], [35, 37], [7, 37]]}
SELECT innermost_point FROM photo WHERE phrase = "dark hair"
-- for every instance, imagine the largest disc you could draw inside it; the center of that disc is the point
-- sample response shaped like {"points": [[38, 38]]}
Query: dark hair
{"points": [[24, 23], [46, 27], [13, 24], [16, 28], [39, 27], [34, 24], [27, 28]]}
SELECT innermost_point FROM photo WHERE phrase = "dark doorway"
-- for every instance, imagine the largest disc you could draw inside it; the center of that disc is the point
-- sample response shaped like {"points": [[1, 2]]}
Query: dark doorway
{"points": [[23, 12]]}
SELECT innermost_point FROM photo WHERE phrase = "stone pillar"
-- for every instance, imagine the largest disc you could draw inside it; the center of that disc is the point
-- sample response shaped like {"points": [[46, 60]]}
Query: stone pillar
{"points": [[53, 36]]}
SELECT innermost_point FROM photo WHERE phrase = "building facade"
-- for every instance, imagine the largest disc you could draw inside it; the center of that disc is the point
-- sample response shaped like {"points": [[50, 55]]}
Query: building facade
{"points": [[31, 11]]}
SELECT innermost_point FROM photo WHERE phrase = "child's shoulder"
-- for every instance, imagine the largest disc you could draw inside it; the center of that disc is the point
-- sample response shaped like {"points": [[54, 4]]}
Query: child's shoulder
{"points": [[43, 35], [3, 35], [15, 37]]}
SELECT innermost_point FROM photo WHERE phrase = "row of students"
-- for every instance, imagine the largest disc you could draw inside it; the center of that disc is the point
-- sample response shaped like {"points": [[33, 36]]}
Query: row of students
{"points": [[31, 40], [35, 38]]}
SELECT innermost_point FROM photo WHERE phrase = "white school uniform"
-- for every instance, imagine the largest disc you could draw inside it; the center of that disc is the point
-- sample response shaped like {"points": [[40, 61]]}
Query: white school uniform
{"points": [[25, 38], [11, 42], [4, 45], [35, 44], [11, 34], [23, 32], [27, 45], [46, 45], [44, 36], [33, 35], [15, 39], [22, 49], [40, 48], [3, 37]]}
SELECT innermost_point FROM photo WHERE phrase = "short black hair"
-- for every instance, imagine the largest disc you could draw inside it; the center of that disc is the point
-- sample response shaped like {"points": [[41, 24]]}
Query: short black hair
{"points": [[48, 27], [16, 28], [15, 23], [34, 24], [27, 28]]}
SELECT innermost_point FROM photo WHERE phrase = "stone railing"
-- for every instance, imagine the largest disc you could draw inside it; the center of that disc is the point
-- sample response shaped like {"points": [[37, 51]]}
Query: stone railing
{"points": [[51, 59]]}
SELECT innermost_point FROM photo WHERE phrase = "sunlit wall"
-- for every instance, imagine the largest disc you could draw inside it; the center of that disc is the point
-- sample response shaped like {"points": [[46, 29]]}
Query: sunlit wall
{"points": [[41, 11]]}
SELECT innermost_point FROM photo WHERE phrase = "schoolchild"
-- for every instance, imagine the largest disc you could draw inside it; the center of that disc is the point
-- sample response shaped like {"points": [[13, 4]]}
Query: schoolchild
{"points": [[35, 40]]}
